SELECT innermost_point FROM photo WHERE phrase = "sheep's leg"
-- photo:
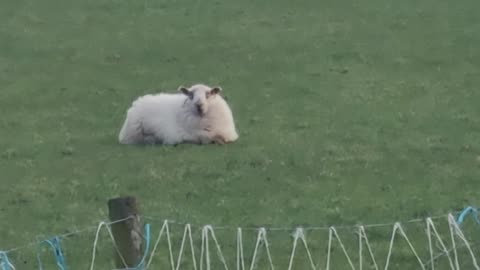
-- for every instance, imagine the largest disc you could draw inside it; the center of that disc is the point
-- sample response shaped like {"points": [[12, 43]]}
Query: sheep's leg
{"points": [[150, 139], [195, 138], [215, 137], [218, 139], [205, 140], [205, 136]]}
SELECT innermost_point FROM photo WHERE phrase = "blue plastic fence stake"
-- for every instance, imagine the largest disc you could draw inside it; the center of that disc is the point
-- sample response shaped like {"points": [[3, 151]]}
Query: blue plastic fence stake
{"points": [[4, 262], [141, 265], [54, 243], [468, 211]]}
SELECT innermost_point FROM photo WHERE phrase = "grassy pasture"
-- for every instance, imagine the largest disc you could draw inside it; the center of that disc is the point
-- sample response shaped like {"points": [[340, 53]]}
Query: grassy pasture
{"points": [[348, 112]]}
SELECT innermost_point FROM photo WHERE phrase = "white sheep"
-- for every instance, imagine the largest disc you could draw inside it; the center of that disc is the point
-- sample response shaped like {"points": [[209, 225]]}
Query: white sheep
{"points": [[197, 115]]}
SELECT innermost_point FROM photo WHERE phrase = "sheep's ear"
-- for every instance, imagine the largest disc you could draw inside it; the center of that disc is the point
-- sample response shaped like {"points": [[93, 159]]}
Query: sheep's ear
{"points": [[216, 90], [185, 91]]}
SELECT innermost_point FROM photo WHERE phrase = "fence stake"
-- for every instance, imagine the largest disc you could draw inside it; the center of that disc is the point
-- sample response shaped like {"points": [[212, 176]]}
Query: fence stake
{"points": [[128, 233]]}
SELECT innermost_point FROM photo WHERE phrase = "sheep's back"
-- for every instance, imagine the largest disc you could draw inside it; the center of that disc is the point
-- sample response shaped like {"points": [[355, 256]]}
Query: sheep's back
{"points": [[160, 113]]}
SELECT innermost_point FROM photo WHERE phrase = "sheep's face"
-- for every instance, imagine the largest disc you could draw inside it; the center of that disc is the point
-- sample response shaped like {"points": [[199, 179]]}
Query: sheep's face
{"points": [[199, 96]]}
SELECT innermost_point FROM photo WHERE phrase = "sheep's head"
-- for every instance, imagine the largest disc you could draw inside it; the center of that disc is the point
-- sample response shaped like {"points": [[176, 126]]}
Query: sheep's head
{"points": [[199, 95]]}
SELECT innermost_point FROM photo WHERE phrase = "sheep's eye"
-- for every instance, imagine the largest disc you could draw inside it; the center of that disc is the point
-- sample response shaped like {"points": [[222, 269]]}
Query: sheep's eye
{"points": [[207, 95]]}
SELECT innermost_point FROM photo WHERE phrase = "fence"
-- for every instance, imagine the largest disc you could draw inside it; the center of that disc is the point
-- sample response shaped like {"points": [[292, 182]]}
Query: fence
{"points": [[134, 248]]}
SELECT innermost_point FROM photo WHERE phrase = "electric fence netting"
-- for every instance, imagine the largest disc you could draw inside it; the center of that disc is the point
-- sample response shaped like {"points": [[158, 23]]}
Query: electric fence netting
{"points": [[443, 242]]}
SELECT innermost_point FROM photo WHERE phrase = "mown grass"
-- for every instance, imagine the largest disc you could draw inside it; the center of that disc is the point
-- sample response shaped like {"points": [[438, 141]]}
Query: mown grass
{"points": [[348, 112]]}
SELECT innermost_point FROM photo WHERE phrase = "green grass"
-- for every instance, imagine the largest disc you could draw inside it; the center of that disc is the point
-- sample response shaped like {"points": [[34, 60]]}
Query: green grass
{"points": [[348, 112]]}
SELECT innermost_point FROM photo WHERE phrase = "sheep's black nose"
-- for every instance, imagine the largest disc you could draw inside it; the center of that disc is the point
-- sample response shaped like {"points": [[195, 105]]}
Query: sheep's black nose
{"points": [[199, 109]]}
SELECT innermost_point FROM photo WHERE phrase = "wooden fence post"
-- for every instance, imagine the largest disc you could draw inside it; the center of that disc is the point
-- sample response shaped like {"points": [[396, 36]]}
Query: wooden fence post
{"points": [[128, 234]]}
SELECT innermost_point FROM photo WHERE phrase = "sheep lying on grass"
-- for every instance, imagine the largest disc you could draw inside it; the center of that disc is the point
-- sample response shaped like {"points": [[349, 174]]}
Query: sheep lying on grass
{"points": [[197, 115]]}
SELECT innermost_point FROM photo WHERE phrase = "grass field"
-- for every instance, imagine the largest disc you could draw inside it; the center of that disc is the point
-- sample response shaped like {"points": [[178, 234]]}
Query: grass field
{"points": [[348, 112]]}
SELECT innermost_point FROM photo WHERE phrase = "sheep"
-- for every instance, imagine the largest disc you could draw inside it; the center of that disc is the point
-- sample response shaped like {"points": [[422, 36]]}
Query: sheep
{"points": [[197, 115]]}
